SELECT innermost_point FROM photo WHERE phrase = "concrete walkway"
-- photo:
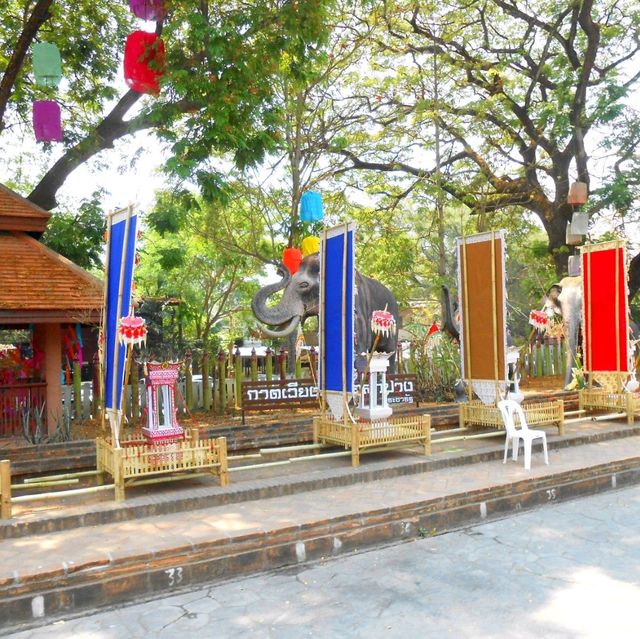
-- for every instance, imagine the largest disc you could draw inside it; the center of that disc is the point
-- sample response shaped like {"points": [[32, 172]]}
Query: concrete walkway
{"points": [[568, 571], [90, 566]]}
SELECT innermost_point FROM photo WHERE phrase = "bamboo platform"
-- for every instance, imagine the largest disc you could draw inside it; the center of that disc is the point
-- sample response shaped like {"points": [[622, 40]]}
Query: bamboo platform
{"points": [[475, 413], [603, 399], [388, 433], [137, 459]]}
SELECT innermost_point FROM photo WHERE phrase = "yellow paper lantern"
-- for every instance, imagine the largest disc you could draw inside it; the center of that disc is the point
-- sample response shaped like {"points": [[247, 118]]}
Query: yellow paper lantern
{"points": [[310, 245]]}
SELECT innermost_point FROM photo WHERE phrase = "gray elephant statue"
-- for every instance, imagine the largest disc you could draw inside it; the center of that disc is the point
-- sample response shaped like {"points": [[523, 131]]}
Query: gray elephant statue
{"points": [[300, 300]]}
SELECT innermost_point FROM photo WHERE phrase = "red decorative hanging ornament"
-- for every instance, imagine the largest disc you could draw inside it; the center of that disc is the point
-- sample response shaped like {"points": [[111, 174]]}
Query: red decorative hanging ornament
{"points": [[291, 258], [47, 121], [382, 322], [539, 320], [132, 331], [144, 62]]}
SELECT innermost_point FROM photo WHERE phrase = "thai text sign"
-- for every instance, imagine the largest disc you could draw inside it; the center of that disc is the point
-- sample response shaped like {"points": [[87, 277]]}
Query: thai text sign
{"points": [[279, 394], [400, 389]]}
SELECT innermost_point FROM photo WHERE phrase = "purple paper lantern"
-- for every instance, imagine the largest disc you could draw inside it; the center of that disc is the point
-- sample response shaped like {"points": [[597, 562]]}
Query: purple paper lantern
{"points": [[47, 121], [147, 9]]}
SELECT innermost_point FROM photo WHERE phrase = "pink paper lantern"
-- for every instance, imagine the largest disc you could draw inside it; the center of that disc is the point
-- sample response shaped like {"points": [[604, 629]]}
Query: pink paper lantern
{"points": [[147, 9], [47, 121]]}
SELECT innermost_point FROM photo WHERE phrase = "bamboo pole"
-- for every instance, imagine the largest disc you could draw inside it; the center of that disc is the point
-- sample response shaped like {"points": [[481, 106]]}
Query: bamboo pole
{"points": [[62, 493], [43, 484], [617, 318], [255, 466], [83, 473], [588, 335], [77, 389], [494, 302], [463, 437], [286, 449], [343, 351], [466, 328], [102, 361], [323, 328], [5, 489]]}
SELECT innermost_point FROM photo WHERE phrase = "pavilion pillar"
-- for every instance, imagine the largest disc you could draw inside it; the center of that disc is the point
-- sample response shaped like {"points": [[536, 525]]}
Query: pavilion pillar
{"points": [[49, 339]]}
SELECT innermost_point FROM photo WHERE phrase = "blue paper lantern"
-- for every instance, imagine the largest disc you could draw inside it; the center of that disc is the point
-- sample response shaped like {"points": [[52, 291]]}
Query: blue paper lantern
{"points": [[311, 207]]}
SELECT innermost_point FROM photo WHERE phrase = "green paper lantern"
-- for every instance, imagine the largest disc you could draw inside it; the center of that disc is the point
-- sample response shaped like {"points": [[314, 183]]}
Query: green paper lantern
{"points": [[47, 65]]}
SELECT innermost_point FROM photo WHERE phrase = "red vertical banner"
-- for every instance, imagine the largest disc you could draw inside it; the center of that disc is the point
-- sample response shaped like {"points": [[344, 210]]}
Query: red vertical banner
{"points": [[605, 310]]}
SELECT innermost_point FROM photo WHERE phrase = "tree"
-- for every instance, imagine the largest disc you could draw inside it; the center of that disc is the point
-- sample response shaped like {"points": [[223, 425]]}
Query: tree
{"points": [[178, 264], [527, 91], [79, 235], [217, 93]]}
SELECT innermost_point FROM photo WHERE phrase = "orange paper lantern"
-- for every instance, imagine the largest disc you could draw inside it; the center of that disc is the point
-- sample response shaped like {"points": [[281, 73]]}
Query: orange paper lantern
{"points": [[291, 258]]}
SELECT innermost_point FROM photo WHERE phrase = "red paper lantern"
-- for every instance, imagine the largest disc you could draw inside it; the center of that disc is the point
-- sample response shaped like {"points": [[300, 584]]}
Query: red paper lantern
{"points": [[143, 62], [291, 258]]}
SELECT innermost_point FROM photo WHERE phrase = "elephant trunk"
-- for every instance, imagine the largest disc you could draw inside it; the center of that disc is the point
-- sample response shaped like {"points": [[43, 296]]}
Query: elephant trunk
{"points": [[276, 315], [286, 315], [448, 325]]}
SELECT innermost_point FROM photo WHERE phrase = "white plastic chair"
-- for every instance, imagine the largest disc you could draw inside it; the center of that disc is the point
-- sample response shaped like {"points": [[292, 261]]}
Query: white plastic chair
{"points": [[509, 409]]}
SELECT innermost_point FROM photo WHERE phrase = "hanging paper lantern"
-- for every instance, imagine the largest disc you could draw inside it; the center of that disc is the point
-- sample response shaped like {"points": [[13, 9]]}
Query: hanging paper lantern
{"points": [[147, 9], [143, 62], [382, 322], [310, 245], [311, 207], [47, 66], [47, 121], [291, 258], [579, 223], [132, 331], [578, 193]]}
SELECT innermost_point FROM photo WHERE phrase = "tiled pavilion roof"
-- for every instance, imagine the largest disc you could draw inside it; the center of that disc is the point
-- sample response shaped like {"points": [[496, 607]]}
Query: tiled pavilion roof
{"points": [[36, 283]]}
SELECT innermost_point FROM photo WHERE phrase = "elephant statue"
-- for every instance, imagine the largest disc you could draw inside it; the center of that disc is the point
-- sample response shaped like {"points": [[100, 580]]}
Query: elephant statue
{"points": [[301, 297], [565, 299]]}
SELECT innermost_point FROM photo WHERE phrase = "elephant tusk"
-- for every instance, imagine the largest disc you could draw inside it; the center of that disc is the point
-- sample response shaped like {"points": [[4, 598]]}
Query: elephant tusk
{"points": [[287, 330]]}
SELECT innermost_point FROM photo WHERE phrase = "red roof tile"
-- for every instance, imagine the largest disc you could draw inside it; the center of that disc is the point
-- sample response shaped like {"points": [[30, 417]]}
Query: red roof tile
{"points": [[18, 214], [36, 281]]}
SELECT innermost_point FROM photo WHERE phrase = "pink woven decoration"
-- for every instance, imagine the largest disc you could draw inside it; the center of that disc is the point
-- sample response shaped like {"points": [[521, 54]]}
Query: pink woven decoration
{"points": [[47, 121], [382, 322], [147, 9]]}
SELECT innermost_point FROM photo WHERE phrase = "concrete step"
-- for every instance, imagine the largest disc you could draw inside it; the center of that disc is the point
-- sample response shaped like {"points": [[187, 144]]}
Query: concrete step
{"points": [[47, 575]]}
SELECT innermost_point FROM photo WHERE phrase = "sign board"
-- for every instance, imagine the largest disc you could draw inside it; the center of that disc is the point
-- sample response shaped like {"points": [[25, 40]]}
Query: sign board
{"points": [[400, 389]]}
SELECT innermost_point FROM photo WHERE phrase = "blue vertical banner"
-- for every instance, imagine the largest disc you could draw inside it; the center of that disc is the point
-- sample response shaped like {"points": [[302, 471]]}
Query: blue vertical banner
{"points": [[337, 270], [122, 230]]}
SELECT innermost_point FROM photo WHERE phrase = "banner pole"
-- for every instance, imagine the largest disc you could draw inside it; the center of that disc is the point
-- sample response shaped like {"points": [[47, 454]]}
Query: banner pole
{"points": [[115, 427], [345, 250], [466, 335]]}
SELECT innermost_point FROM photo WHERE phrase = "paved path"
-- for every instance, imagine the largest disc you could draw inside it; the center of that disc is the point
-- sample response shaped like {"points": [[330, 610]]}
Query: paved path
{"points": [[565, 571], [100, 545]]}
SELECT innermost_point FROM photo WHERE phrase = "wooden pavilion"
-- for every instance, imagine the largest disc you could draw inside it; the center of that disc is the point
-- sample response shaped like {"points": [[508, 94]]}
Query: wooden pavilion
{"points": [[42, 291]]}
